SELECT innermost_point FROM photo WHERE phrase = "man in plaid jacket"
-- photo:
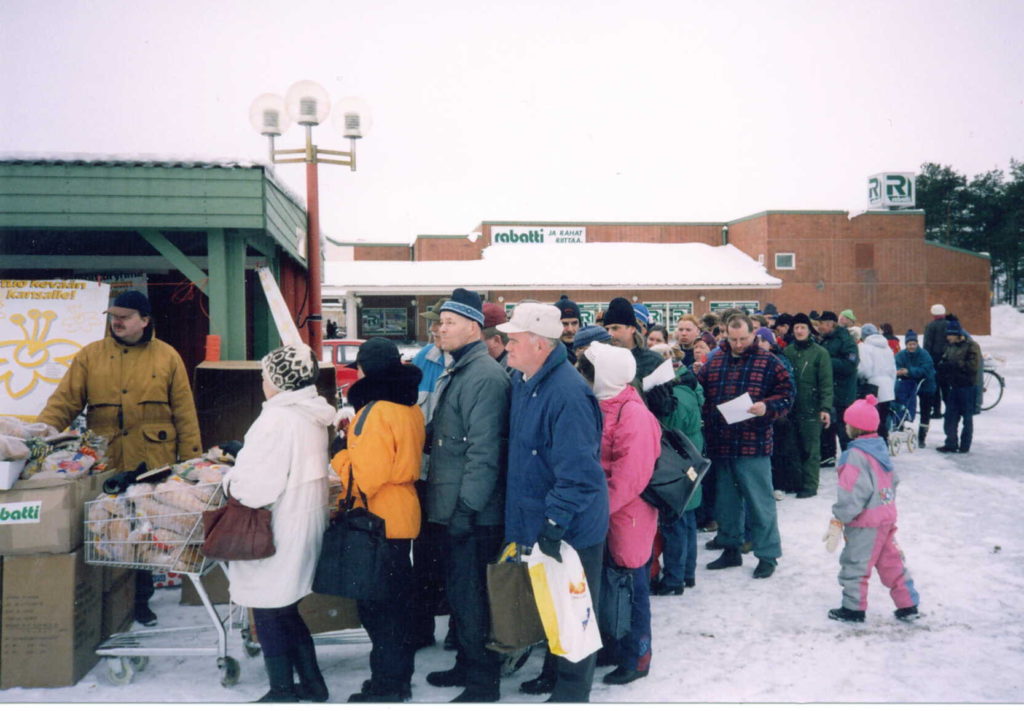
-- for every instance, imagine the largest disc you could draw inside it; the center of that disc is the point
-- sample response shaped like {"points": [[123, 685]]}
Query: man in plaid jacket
{"points": [[741, 452]]}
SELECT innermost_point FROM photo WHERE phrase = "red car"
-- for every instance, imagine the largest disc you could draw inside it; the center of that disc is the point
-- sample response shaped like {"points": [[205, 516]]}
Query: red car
{"points": [[341, 352]]}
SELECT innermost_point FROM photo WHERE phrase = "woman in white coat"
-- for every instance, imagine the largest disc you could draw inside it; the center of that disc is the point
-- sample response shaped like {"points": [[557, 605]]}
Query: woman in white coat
{"points": [[283, 467], [878, 367]]}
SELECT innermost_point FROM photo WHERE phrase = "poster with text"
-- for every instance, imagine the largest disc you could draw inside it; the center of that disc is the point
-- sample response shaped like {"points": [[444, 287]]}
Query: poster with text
{"points": [[43, 324]]}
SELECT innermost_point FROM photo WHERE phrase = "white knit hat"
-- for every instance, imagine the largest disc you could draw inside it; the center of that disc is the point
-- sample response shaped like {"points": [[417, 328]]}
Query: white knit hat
{"points": [[938, 310]]}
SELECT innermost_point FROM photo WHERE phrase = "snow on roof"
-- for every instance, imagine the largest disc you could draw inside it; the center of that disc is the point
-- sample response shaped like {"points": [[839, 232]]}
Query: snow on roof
{"points": [[596, 265]]}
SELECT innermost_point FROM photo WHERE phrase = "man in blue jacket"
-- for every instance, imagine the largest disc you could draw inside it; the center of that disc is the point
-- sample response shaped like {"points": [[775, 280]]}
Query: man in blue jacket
{"points": [[556, 487]]}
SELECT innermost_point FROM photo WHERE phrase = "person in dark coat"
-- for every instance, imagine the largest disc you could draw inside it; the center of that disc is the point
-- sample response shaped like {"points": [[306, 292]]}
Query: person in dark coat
{"points": [[465, 489], [571, 323], [812, 408], [620, 320], [842, 350], [914, 365], [958, 371], [557, 489], [935, 344]]}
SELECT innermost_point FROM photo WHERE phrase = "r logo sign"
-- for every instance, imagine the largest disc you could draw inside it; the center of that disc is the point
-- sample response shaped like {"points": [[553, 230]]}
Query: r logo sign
{"points": [[891, 190]]}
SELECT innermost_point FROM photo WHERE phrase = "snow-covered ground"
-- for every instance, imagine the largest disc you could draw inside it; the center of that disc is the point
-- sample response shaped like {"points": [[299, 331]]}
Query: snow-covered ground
{"points": [[736, 639]]}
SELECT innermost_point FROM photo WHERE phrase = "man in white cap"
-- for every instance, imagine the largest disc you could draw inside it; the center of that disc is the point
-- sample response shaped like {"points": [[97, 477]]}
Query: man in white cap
{"points": [[935, 344], [556, 488]]}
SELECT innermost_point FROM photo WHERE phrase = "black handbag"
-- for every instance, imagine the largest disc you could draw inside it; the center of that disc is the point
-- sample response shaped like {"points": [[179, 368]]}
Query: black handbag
{"points": [[354, 555], [678, 472], [614, 614]]}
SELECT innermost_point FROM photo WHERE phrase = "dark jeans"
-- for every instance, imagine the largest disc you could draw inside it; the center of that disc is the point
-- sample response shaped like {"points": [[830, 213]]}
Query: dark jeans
{"points": [[837, 428], [706, 511], [466, 586], [387, 621], [960, 403], [143, 587], [883, 420], [575, 679], [634, 650], [279, 629], [679, 553], [785, 456]]}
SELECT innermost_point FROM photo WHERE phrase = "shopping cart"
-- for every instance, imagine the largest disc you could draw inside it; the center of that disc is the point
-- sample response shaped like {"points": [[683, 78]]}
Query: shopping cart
{"points": [[162, 530]]}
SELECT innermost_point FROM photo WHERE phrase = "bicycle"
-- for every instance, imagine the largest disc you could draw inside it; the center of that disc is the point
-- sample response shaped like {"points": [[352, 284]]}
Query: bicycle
{"points": [[992, 384]]}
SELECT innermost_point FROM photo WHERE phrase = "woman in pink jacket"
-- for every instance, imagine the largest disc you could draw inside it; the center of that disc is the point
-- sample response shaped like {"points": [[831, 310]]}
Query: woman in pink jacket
{"points": [[630, 446]]}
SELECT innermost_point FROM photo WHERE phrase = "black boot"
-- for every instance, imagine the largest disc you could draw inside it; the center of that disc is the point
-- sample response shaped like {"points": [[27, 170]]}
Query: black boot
{"points": [[311, 686], [545, 683], [282, 685], [730, 558], [922, 432]]}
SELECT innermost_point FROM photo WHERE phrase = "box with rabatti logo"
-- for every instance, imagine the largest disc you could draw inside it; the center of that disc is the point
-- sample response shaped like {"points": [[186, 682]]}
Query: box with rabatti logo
{"points": [[45, 515]]}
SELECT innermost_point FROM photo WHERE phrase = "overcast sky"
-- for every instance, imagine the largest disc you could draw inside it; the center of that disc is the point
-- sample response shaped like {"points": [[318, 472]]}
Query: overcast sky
{"points": [[567, 110]]}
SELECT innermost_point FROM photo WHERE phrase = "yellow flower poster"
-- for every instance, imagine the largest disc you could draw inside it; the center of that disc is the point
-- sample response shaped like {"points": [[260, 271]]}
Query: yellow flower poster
{"points": [[43, 324]]}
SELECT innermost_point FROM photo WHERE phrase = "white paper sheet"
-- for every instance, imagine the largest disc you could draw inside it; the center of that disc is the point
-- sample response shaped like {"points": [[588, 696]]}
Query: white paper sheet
{"points": [[736, 410]]}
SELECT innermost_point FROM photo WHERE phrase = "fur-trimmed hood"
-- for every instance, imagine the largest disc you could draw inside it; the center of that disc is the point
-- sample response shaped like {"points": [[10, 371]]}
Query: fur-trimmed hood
{"points": [[399, 385]]}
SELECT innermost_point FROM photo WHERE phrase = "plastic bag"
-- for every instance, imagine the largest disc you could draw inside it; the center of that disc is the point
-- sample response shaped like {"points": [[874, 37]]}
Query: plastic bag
{"points": [[12, 448], [564, 603]]}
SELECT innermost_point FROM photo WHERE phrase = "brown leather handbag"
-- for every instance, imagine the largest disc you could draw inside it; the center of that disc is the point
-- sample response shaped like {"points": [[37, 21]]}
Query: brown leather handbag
{"points": [[237, 532]]}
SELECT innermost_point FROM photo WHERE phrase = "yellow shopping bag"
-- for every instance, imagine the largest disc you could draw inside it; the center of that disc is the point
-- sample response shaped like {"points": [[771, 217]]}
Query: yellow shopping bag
{"points": [[564, 603]]}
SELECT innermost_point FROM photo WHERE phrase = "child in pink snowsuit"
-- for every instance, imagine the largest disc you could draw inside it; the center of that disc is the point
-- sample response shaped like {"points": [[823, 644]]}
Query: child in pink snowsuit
{"points": [[866, 508]]}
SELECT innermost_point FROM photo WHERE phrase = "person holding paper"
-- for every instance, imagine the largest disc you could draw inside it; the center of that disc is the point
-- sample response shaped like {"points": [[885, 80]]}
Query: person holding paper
{"points": [[741, 452]]}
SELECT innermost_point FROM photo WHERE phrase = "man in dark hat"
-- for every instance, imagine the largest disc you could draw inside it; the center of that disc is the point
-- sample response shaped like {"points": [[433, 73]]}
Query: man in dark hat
{"points": [[466, 488], [620, 320], [842, 350], [958, 372], [496, 340], [571, 321], [783, 324], [136, 393]]}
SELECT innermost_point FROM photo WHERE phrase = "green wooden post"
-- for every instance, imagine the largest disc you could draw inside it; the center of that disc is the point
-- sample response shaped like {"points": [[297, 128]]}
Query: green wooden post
{"points": [[226, 290]]}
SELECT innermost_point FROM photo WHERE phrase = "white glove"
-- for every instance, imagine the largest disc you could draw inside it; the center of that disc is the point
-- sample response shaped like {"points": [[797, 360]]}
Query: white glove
{"points": [[832, 535]]}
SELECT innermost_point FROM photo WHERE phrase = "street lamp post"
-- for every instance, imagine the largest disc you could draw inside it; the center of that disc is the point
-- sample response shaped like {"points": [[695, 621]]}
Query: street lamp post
{"points": [[308, 104]]}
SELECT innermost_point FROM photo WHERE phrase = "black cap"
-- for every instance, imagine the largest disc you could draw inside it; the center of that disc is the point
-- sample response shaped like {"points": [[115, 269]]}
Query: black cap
{"points": [[828, 316], [133, 300], [620, 311], [377, 356], [567, 308]]}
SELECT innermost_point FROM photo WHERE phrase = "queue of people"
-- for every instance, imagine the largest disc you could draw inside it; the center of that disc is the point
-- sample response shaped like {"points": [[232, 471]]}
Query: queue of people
{"points": [[534, 429]]}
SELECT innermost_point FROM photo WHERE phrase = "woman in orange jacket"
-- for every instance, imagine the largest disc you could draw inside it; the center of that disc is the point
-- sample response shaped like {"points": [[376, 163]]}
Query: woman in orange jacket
{"points": [[382, 452]]}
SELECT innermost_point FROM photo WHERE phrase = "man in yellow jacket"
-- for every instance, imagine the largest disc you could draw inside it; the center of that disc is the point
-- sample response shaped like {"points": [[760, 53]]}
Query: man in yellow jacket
{"points": [[138, 396]]}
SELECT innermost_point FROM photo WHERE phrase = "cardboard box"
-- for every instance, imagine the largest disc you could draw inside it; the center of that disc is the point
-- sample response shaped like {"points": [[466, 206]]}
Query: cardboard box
{"points": [[10, 471], [45, 516], [51, 620], [112, 575], [214, 582], [118, 605]]}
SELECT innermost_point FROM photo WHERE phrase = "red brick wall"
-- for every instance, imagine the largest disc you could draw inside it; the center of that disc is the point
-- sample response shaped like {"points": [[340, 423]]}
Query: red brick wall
{"points": [[382, 253], [433, 249]]}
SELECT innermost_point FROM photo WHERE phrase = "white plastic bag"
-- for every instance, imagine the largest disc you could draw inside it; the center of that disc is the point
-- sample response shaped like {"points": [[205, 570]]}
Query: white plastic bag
{"points": [[563, 600]]}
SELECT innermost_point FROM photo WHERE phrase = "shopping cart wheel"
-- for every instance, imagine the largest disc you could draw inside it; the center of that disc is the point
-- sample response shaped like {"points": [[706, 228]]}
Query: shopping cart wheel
{"points": [[251, 647], [894, 445], [229, 671], [119, 671], [911, 441]]}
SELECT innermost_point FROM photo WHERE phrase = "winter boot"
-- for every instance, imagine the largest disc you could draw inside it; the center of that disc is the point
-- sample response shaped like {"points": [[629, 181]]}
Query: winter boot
{"points": [[311, 686], [622, 675], [844, 615], [907, 614], [730, 558], [374, 691], [456, 676], [922, 432], [765, 567], [282, 685], [545, 683]]}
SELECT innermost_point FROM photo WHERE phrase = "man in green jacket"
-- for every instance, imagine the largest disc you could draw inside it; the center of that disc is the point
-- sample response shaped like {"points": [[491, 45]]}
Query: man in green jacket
{"points": [[842, 350], [812, 370]]}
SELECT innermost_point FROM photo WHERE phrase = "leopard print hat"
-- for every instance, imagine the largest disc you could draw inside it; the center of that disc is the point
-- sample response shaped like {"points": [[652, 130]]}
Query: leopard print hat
{"points": [[291, 367]]}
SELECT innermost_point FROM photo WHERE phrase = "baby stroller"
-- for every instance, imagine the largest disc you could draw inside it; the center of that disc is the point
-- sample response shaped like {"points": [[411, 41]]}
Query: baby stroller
{"points": [[903, 417]]}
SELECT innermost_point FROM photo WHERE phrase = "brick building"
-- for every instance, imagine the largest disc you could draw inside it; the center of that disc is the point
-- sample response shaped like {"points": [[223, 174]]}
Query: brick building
{"points": [[878, 263]]}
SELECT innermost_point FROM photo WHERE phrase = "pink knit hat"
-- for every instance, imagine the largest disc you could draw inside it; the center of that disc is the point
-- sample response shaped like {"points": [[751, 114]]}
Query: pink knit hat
{"points": [[863, 414]]}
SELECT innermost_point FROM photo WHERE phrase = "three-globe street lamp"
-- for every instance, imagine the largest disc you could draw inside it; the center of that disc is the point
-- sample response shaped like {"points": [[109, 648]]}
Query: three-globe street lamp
{"points": [[308, 104]]}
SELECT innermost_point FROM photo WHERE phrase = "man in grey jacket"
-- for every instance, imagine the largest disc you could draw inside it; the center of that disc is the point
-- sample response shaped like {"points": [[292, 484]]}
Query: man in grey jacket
{"points": [[468, 440]]}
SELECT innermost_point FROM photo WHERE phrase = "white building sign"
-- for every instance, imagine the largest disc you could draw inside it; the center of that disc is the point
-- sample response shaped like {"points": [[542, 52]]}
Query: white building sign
{"points": [[887, 190], [538, 235]]}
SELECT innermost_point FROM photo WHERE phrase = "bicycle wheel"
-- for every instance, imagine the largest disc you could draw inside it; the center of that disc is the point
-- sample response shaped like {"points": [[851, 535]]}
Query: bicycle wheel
{"points": [[992, 385]]}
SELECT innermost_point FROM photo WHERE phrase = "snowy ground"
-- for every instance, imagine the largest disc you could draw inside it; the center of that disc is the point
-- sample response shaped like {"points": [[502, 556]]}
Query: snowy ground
{"points": [[735, 639]]}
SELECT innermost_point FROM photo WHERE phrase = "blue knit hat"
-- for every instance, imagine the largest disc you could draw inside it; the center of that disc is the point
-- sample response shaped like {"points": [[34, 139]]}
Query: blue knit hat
{"points": [[643, 314], [953, 328], [466, 303], [588, 334], [870, 329], [911, 336], [133, 300]]}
